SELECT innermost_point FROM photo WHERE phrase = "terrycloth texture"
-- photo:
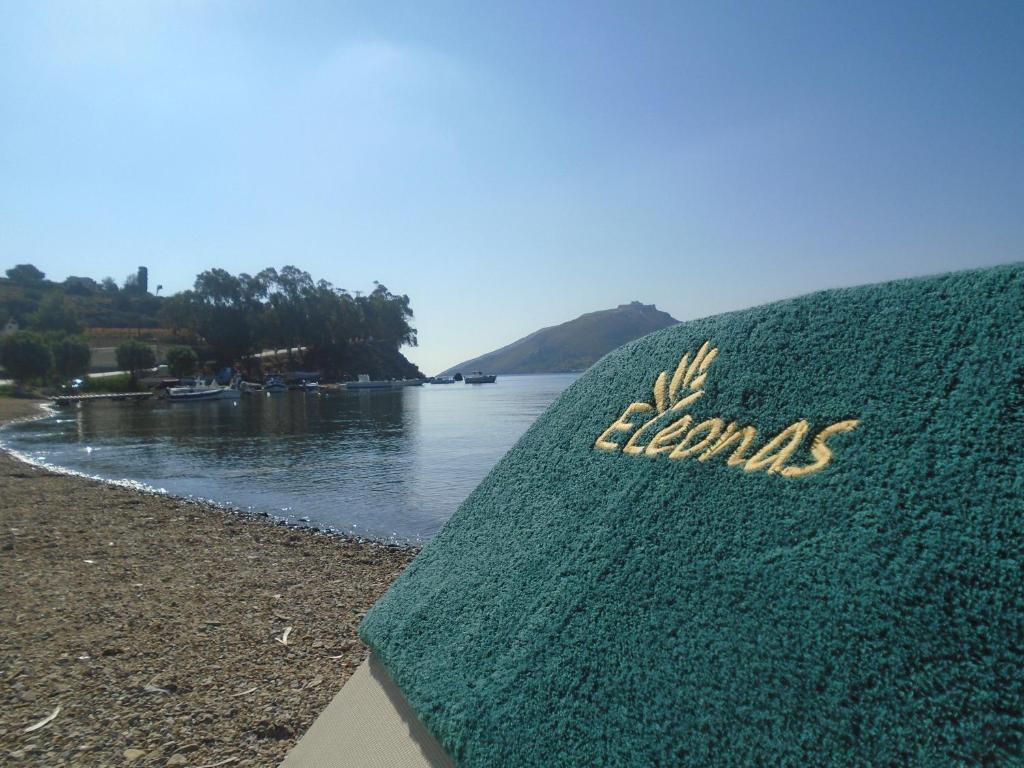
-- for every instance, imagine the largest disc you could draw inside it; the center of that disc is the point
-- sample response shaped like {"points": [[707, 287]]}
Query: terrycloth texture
{"points": [[590, 607]]}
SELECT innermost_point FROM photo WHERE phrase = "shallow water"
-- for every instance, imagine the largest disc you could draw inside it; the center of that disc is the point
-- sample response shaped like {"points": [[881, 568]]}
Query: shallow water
{"points": [[389, 465]]}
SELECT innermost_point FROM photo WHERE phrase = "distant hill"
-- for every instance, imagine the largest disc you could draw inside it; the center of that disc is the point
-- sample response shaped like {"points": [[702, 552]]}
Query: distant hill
{"points": [[571, 346]]}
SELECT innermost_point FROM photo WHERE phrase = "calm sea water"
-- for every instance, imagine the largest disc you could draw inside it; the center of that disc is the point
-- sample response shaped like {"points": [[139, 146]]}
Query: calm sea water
{"points": [[388, 465]]}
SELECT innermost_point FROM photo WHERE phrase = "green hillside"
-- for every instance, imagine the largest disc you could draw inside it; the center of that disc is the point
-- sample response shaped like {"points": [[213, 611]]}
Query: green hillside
{"points": [[226, 319], [572, 346], [96, 305]]}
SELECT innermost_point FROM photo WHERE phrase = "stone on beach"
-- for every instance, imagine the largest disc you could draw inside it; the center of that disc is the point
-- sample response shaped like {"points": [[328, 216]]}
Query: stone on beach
{"points": [[146, 649]]}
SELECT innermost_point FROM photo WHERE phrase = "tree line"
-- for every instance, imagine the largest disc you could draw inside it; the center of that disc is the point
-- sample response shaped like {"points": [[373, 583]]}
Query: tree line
{"points": [[102, 303], [236, 316], [223, 320], [53, 347]]}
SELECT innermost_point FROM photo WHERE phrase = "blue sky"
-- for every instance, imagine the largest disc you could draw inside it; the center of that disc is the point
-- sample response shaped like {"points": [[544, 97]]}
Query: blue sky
{"points": [[511, 166]]}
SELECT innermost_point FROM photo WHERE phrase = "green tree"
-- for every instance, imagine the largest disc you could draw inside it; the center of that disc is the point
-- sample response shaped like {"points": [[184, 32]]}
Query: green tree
{"points": [[80, 286], [25, 273], [289, 294], [233, 317], [229, 313], [56, 313], [71, 357], [25, 356], [182, 361], [177, 313], [385, 318], [132, 285], [17, 305], [134, 356], [328, 339]]}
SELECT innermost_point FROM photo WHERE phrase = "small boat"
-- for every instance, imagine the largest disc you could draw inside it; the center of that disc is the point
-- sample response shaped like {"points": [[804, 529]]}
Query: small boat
{"points": [[479, 377], [197, 392], [250, 387], [442, 380], [365, 382], [274, 384]]}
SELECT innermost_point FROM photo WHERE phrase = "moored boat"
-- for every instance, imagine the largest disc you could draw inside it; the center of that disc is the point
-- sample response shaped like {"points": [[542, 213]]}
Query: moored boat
{"points": [[274, 384], [197, 392], [479, 377], [365, 382]]}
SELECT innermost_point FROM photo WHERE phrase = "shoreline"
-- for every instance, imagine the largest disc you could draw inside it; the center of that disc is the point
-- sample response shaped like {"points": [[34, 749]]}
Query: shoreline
{"points": [[43, 409], [155, 622]]}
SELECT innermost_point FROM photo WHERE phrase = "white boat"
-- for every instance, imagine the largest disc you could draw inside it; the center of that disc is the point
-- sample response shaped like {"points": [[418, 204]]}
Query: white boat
{"points": [[198, 392], [443, 380], [479, 377], [365, 382]]}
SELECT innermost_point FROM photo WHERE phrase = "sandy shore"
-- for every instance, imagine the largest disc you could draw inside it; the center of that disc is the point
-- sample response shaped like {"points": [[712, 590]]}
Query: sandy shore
{"points": [[155, 624]]}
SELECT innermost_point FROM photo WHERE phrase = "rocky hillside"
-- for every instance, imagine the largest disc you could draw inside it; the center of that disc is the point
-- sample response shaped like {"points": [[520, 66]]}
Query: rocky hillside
{"points": [[378, 360], [574, 345]]}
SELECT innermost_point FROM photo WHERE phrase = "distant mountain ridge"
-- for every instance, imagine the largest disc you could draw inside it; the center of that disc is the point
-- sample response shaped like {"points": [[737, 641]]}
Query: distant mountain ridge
{"points": [[572, 346]]}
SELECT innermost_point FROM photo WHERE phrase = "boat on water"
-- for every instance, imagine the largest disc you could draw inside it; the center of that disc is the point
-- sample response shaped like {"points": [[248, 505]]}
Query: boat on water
{"points": [[274, 384], [479, 377], [442, 380], [198, 392], [365, 382]]}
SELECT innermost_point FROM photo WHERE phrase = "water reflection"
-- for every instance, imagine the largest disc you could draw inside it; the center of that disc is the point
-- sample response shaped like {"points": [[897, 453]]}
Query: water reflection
{"points": [[392, 464]]}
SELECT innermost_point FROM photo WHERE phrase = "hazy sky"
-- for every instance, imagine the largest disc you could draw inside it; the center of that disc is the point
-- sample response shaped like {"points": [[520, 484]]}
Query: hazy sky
{"points": [[513, 165]]}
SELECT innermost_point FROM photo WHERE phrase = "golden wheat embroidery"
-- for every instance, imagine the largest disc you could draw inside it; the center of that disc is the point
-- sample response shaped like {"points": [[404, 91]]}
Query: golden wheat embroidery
{"points": [[685, 386], [679, 440]]}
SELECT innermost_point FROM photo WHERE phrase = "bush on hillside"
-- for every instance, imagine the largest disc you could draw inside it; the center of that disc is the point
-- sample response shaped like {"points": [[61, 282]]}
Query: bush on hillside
{"points": [[71, 357], [25, 356], [25, 273], [134, 356], [182, 361], [57, 314]]}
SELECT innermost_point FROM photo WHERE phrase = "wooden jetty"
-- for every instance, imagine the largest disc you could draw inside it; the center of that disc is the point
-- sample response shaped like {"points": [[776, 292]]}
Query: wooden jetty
{"points": [[70, 399]]}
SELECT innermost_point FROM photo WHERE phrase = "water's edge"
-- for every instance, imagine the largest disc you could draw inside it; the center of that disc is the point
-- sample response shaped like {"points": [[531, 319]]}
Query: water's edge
{"points": [[48, 410]]}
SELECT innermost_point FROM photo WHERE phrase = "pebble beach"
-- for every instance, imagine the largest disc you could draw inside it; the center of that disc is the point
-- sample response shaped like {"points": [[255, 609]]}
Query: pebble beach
{"points": [[140, 629]]}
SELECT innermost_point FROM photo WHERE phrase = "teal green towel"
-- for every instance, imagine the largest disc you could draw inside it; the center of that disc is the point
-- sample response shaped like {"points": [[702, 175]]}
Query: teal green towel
{"points": [[790, 535]]}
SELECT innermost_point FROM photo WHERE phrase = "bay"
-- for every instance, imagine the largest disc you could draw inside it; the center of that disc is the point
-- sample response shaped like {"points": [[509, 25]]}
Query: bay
{"points": [[388, 465]]}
